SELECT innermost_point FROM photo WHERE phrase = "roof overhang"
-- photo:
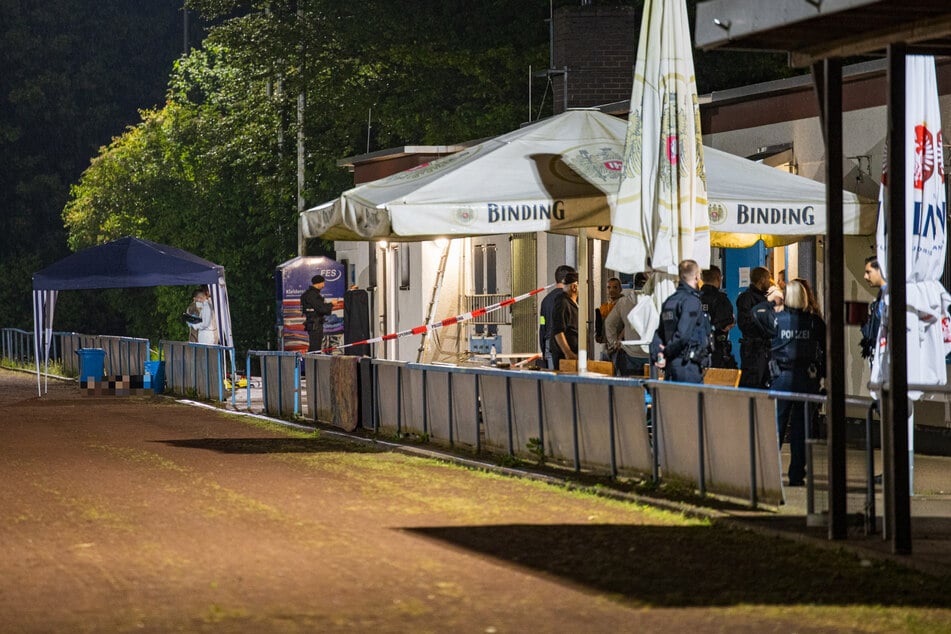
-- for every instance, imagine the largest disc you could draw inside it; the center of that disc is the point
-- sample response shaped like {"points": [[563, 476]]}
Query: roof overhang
{"points": [[396, 152], [811, 30]]}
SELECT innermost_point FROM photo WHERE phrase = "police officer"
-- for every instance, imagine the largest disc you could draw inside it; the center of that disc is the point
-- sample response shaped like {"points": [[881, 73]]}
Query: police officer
{"points": [[684, 336], [797, 365], [315, 309], [718, 307], [755, 342], [545, 314]]}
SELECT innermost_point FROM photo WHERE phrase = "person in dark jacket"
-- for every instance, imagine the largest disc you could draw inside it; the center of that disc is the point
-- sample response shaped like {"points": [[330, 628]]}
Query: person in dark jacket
{"points": [[797, 365], [315, 309], [755, 342], [563, 342], [870, 340], [684, 336], [720, 311], [545, 314]]}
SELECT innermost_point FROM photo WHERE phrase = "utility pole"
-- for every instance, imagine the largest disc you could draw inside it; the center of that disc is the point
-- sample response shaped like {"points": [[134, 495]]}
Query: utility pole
{"points": [[301, 105]]}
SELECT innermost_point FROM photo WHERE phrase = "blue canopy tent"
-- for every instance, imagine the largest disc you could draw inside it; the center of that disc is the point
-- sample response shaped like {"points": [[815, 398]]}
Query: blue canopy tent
{"points": [[123, 263]]}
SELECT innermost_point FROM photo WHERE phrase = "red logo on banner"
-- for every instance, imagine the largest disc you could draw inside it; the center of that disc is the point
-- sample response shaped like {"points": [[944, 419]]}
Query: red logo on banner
{"points": [[614, 166], [673, 149], [924, 155]]}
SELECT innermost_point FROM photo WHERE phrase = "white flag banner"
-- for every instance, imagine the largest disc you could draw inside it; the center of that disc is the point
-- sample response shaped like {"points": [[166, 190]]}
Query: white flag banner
{"points": [[661, 208], [929, 326]]}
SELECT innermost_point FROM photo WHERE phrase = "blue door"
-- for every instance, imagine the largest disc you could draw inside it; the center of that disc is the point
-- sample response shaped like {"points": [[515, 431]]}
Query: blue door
{"points": [[733, 261]]}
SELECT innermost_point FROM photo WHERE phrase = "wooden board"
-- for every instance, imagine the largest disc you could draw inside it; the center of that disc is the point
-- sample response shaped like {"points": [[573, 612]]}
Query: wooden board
{"points": [[722, 376], [596, 367]]}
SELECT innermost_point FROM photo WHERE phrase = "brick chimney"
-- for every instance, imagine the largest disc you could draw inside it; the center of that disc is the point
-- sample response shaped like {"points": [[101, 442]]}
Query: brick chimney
{"points": [[598, 45]]}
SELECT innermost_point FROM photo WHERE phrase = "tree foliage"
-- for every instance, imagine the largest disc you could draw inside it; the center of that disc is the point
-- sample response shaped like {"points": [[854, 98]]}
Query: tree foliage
{"points": [[214, 170], [73, 73], [212, 167]]}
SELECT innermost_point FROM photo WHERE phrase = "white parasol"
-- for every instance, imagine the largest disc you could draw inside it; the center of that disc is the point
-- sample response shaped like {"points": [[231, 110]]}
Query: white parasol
{"points": [[661, 211], [928, 334]]}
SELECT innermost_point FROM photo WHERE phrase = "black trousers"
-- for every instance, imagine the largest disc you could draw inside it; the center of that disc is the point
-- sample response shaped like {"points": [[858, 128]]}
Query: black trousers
{"points": [[315, 339], [754, 363]]}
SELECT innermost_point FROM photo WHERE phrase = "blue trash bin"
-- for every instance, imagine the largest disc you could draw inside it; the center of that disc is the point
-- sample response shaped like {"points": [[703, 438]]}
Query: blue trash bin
{"points": [[92, 362], [155, 376]]}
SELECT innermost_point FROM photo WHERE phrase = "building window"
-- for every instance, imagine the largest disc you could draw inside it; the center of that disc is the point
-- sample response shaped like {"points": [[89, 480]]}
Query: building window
{"points": [[484, 279], [402, 266]]}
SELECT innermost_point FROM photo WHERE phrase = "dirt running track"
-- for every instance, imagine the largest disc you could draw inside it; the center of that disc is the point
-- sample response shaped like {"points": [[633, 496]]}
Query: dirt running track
{"points": [[142, 514]]}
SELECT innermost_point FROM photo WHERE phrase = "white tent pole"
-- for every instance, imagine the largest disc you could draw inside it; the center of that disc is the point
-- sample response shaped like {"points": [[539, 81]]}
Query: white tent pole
{"points": [[37, 329], [583, 300]]}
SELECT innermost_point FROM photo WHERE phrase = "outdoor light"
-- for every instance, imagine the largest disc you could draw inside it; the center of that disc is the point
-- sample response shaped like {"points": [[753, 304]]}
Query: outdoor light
{"points": [[723, 24], [382, 244]]}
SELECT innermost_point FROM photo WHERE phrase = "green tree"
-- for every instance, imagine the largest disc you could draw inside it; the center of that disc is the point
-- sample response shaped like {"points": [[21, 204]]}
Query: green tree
{"points": [[214, 170], [73, 73]]}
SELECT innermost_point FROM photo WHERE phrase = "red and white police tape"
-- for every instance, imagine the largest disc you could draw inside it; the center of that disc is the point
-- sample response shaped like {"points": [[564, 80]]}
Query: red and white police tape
{"points": [[451, 321]]}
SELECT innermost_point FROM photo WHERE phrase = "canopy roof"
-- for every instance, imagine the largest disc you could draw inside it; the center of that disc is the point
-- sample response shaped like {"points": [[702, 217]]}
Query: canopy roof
{"points": [[810, 31], [126, 263], [561, 174]]}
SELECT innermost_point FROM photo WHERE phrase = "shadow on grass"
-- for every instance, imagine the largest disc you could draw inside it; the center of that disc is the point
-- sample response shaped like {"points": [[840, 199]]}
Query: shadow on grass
{"points": [[670, 566], [272, 445]]}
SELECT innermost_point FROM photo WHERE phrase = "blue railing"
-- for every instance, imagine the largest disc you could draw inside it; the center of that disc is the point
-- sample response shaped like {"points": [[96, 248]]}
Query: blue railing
{"points": [[587, 422], [280, 381], [200, 368], [17, 345]]}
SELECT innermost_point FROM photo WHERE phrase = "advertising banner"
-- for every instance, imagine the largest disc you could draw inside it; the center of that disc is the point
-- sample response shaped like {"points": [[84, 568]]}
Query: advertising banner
{"points": [[292, 279]]}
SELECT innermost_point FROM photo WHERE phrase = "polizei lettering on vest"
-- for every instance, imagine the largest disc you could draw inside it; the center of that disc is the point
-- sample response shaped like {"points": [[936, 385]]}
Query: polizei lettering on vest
{"points": [[746, 215], [795, 334], [499, 212]]}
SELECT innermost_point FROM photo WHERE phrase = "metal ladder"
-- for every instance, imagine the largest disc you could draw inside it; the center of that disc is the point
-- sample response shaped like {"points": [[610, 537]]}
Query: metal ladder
{"points": [[434, 302]]}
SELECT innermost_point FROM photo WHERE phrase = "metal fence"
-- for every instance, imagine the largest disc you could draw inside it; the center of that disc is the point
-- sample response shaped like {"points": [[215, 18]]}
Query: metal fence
{"points": [[599, 424], [333, 389], [280, 381], [723, 440], [196, 369], [17, 345], [124, 355]]}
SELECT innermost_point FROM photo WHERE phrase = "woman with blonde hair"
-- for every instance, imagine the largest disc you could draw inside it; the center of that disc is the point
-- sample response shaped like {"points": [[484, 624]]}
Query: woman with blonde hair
{"points": [[812, 302], [797, 365]]}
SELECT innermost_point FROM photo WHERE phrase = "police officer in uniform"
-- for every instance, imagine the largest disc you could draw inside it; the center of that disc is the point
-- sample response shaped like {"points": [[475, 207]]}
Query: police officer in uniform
{"points": [[797, 365], [683, 342], [545, 314], [315, 309], [718, 307], [755, 342]]}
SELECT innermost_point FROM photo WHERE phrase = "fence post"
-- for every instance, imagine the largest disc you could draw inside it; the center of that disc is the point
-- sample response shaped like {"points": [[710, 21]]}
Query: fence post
{"points": [[399, 400], [611, 430], [541, 415], [701, 459], [508, 405], [752, 422], [870, 519], [451, 417], [655, 433], [574, 424], [479, 421]]}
